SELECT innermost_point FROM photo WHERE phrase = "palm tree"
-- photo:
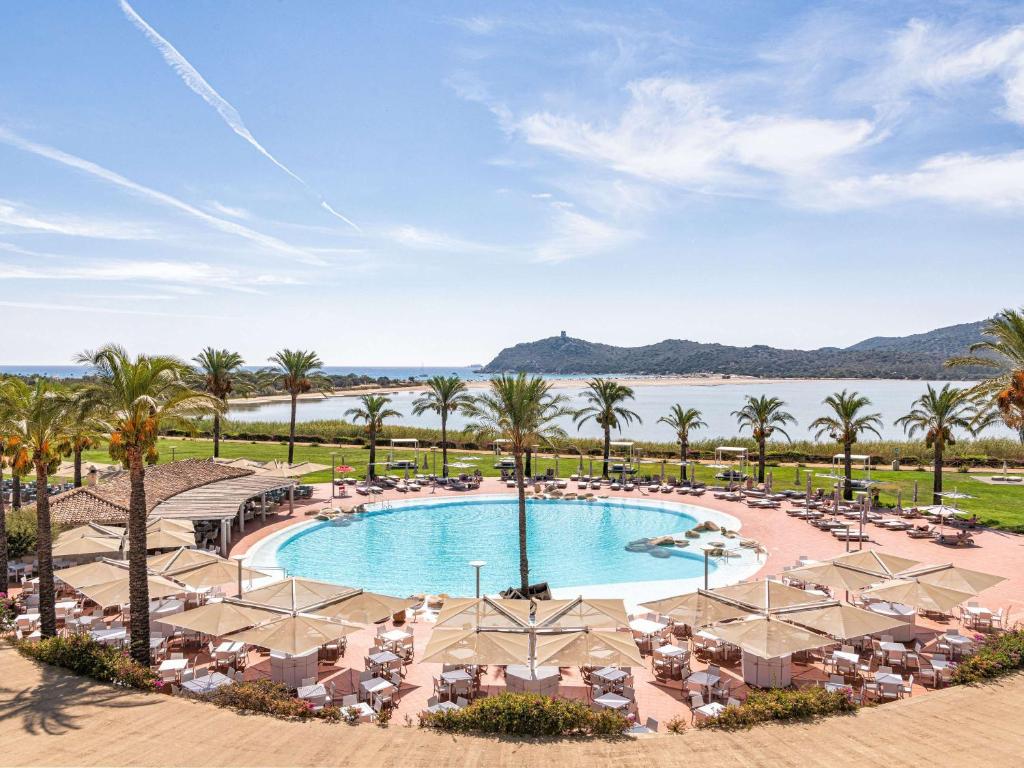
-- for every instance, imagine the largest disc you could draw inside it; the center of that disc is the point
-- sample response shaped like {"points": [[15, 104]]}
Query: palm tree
{"points": [[445, 395], [135, 396], [605, 398], [217, 370], [682, 420], [1002, 352], [84, 433], [373, 411], [764, 417], [844, 425], [40, 416], [937, 414], [298, 372], [523, 411], [4, 440]]}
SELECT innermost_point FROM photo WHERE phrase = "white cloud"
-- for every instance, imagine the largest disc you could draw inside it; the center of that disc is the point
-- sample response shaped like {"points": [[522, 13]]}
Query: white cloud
{"points": [[429, 240], [100, 310], [993, 181], [575, 235], [111, 177], [673, 132], [16, 216], [197, 83], [479, 25], [227, 210]]}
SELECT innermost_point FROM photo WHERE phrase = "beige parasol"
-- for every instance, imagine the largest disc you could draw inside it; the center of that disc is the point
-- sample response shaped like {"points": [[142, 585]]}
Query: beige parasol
{"points": [[599, 647], [295, 594], [580, 612], [295, 634], [881, 563], [460, 645], [87, 545], [753, 593], [843, 621], [281, 469], [834, 575], [953, 577], [213, 574], [89, 574], [695, 609], [365, 607], [183, 557], [115, 592], [168, 539], [769, 638], [921, 595], [470, 612], [90, 529], [219, 619]]}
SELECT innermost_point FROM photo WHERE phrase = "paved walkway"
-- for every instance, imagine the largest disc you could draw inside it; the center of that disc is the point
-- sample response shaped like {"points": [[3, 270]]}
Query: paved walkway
{"points": [[49, 717]]}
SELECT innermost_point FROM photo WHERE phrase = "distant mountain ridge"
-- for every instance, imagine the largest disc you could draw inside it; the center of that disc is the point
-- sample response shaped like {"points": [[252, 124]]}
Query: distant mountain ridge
{"points": [[918, 356]]}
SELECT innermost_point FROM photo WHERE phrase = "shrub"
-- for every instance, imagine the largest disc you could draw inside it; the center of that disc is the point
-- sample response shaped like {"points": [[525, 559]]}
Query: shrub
{"points": [[782, 704], [676, 725], [997, 656], [264, 697], [21, 532], [527, 714], [84, 656], [8, 611]]}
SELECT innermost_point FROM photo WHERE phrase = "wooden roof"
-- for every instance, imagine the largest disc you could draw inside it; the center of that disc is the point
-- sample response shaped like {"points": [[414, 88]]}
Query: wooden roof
{"points": [[218, 500]]}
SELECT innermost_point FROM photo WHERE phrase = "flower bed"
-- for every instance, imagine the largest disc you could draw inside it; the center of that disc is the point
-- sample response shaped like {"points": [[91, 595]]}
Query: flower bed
{"points": [[84, 656], [527, 714], [998, 655], [782, 705]]}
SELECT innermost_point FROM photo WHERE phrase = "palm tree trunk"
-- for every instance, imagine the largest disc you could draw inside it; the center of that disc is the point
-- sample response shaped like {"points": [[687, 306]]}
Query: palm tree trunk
{"points": [[847, 472], [760, 460], [524, 564], [16, 492], [607, 451], [291, 430], [138, 587], [373, 455], [529, 464], [44, 554], [937, 475], [216, 437], [682, 458], [78, 466], [4, 559], [444, 443]]}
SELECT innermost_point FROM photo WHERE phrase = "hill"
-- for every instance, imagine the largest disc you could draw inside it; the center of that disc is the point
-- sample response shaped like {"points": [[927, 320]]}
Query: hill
{"points": [[920, 356]]}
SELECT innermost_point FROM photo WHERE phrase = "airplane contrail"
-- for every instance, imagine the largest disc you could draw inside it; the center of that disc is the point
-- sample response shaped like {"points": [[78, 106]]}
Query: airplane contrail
{"points": [[197, 83]]}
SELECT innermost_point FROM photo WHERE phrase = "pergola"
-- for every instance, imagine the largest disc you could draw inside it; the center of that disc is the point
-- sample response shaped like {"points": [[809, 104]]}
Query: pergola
{"points": [[621, 465], [224, 500], [863, 459], [399, 442]]}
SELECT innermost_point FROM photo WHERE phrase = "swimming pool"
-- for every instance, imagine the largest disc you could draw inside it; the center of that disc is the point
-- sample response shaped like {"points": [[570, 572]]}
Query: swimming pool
{"points": [[425, 545]]}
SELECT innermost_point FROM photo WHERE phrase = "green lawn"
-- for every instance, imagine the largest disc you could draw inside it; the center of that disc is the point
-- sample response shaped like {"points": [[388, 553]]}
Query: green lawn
{"points": [[1000, 506]]}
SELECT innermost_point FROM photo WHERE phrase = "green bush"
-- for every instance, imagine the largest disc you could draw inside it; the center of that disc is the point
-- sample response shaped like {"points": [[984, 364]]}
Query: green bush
{"points": [[8, 611], [780, 705], [21, 532], [998, 655], [527, 714], [264, 697], [84, 656]]}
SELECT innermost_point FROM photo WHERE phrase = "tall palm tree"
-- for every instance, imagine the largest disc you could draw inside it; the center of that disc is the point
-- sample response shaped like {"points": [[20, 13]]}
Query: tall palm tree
{"points": [[217, 370], [844, 425], [4, 440], [135, 396], [445, 395], [373, 411], [682, 420], [937, 414], [763, 416], [85, 432], [298, 372], [1003, 353], [605, 398], [523, 411], [39, 416]]}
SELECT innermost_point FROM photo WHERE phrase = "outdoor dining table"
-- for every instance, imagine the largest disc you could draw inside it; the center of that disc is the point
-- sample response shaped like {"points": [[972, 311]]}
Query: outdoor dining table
{"points": [[65, 606], [382, 658], [711, 710], [173, 665], [942, 667], [206, 683], [904, 613], [442, 706], [27, 618], [958, 644], [887, 647], [314, 692], [836, 687], [888, 678], [376, 685], [647, 627], [109, 635], [396, 636], [670, 651], [228, 649], [611, 701], [704, 679]]}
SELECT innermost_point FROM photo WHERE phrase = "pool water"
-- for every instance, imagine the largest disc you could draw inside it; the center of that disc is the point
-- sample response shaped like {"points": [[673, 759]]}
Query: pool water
{"points": [[426, 547]]}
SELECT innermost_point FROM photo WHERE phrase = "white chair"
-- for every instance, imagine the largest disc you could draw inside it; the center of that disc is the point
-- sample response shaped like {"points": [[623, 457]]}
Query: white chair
{"points": [[908, 687]]}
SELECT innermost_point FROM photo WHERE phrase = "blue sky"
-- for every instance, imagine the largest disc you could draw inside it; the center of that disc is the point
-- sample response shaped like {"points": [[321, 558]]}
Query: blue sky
{"points": [[426, 183]]}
